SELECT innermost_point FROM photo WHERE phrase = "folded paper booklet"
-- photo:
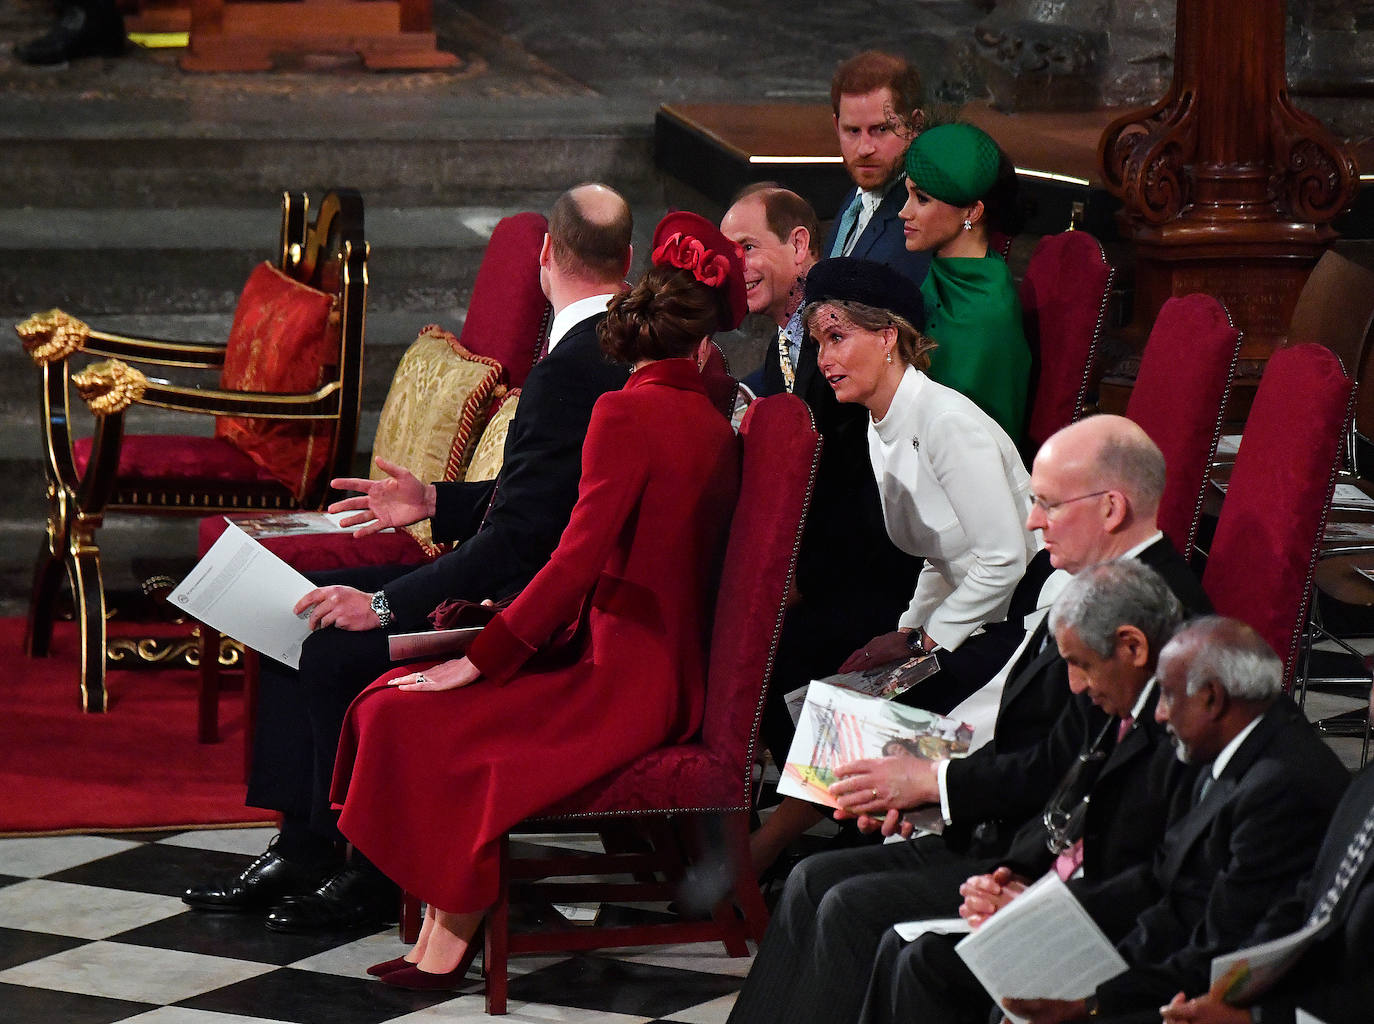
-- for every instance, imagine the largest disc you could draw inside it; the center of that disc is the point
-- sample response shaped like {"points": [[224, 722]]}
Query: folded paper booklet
{"points": [[246, 592], [1243, 976], [431, 643], [1042, 945], [838, 725], [886, 681], [288, 524]]}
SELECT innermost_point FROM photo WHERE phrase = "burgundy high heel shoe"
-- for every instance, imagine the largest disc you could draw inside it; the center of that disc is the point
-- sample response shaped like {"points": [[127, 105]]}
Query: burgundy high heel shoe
{"points": [[387, 966], [410, 976]]}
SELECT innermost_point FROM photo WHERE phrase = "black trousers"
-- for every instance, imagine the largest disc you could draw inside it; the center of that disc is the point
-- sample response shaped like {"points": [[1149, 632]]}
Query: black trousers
{"points": [[818, 954], [300, 713]]}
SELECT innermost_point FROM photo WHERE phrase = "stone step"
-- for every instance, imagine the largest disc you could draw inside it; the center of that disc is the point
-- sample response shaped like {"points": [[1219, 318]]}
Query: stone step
{"points": [[195, 260], [424, 149]]}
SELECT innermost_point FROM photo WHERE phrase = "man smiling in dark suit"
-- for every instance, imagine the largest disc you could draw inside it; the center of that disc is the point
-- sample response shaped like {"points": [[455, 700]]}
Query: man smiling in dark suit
{"points": [[506, 527]]}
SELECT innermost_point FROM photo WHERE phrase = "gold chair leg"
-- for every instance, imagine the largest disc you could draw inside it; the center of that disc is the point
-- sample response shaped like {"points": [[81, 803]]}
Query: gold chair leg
{"points": [[88, 595], [47, 583]]}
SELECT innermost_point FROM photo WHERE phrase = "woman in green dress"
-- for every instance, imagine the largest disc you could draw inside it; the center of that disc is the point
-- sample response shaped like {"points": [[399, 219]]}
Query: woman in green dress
{"points": [[972, 312]]}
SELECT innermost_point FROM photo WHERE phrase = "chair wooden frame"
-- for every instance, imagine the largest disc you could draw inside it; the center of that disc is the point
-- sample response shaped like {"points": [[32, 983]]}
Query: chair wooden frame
{"points": [[330, 254]]}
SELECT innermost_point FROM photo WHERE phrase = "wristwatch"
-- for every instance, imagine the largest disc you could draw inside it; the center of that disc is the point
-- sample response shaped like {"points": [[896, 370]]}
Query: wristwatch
{"points": [[382, 608], [916, 640]]}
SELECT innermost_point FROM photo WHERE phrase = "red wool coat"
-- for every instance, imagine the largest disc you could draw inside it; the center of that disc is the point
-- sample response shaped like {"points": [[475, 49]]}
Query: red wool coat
{"points": [[429, 782]]}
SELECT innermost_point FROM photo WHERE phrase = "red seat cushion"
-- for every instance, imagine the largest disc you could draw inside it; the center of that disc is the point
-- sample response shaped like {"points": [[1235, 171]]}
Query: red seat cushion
{"points": [[283, 340], [175, 457], [317, 552]]}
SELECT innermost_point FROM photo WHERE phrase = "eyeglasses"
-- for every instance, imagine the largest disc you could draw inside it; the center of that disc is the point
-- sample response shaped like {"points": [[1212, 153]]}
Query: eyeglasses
{"points": [[1067, 809], [1050, 507]]}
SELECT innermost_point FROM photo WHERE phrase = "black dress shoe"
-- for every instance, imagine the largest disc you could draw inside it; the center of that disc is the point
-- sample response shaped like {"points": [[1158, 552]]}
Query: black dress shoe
{"points": [[353, 898], [260, 885], [90, 30]]}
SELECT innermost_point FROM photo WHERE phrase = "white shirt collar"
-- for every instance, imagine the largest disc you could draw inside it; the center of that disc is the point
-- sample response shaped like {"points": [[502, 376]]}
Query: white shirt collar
{"points": [[1228, 751], [1142, 700], [1135, 551], [574, 313]]}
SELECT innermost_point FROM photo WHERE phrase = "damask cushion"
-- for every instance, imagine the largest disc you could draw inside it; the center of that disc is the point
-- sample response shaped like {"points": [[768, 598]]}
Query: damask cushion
{"points": [[434, 411], [284, 339], [491, 446]]}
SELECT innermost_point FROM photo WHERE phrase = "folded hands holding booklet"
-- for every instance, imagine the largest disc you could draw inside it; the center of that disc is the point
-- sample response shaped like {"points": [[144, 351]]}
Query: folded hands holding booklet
{"points": [[837, 725]]}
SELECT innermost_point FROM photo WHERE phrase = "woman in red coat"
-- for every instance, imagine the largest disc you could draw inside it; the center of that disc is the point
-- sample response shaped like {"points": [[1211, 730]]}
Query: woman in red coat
{"points": [[435, 766]]}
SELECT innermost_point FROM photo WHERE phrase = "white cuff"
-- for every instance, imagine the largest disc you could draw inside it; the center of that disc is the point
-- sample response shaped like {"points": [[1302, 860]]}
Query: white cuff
{"points": [[941, 769]]}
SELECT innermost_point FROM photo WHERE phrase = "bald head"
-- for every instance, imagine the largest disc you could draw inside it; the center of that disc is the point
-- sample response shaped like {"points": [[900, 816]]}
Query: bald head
{"points": [[589, 231], [1098, 483]]}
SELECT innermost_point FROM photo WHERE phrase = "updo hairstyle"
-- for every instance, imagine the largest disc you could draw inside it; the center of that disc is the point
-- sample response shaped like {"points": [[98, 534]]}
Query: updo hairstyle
{"points": [[664, 316], [912, 346]]}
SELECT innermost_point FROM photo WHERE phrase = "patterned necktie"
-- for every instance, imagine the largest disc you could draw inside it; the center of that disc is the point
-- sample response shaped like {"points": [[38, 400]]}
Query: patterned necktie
{"points": [[845, 236], [1349, 866], [789, 372]]}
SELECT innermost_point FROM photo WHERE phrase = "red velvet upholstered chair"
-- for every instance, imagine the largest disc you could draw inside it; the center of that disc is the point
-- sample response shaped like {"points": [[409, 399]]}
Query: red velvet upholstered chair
{"points": [[1179, 399], [286, 410], [508, 315], [690, 792], [1064, 301], [1261, 562]]}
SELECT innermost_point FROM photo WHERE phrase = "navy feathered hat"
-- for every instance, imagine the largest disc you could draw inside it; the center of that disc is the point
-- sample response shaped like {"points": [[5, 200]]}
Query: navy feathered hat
{"points": [[846, 279]]}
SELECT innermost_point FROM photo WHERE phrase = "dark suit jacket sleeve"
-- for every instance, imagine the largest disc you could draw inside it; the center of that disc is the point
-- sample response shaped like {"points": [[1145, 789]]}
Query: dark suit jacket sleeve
{"points": [[536, 489], [1013, 786], [458, 508], [1334, 980]]}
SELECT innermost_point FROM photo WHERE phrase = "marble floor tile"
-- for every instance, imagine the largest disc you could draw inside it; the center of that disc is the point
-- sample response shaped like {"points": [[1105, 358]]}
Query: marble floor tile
{"points": [[352, 959], [472, 1010], [45, 855], [251, 841], [707, 957], [120, 971], [185, 1015], [85, 911], [713, 1012]]}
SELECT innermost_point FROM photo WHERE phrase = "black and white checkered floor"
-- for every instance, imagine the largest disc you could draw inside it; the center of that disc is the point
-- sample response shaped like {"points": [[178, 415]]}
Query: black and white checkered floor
{"points": [[92, 930]]}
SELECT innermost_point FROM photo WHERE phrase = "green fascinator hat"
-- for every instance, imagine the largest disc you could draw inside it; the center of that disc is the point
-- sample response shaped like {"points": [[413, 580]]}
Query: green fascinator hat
{"points": [[954, 163]]}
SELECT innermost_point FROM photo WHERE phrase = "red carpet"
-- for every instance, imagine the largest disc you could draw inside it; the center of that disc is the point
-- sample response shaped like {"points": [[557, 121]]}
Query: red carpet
{"points": [[136, 767]]}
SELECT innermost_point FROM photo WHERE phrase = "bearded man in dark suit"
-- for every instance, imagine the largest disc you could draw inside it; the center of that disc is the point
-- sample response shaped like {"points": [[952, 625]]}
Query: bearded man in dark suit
{"points": [[506, 528]]}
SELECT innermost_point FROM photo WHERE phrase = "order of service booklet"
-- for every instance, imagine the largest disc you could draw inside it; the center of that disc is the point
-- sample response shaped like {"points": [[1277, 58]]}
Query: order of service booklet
{"points": [[838, 725], [246, 592], [1243, 976], [1042, 945], [886, 681]]}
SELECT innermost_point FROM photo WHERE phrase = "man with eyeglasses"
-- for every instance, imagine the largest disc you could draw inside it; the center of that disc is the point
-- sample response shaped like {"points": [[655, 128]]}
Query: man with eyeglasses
{"points": [[836, 906], [1119, 793], [1266, 788]]}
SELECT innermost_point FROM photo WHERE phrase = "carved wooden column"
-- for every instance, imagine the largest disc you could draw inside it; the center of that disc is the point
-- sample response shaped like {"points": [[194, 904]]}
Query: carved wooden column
{"points": [[1227, 187]]}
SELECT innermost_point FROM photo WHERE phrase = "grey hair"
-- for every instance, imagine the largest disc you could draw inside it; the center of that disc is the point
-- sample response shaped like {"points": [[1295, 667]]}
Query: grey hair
{"points": [[1102, 598], [1231, 653], [1134, 465]]}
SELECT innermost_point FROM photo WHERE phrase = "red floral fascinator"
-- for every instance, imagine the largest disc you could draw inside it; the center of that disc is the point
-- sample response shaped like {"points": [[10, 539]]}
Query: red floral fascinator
{"points": [[692, 242]]}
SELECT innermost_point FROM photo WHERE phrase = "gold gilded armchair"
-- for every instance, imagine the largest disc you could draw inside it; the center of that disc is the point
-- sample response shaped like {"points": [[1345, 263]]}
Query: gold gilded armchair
{"points": [[286, 408]]}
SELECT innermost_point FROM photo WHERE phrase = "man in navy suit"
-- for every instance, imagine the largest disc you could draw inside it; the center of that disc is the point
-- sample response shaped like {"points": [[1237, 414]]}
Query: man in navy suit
{"points": [[876, 99], [507, 529]]}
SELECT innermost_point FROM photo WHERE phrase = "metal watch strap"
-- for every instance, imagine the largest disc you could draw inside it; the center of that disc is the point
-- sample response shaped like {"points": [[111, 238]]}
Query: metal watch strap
{"points": [[382, 607]]}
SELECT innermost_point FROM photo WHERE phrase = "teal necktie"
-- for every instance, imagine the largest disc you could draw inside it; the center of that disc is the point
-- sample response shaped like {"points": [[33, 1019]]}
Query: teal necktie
{"points": [[847, 222]]}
